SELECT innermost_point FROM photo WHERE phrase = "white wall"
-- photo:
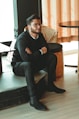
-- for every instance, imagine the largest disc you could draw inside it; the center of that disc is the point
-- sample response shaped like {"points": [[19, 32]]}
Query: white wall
{"points": [[6, 20]]}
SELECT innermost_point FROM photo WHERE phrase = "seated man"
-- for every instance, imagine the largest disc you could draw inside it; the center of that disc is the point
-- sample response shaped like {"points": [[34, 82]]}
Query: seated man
{"points": [[31, 55]]}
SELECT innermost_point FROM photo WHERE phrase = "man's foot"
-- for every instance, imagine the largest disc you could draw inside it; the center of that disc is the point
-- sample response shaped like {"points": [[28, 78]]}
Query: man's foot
{"points": [[53, 88], [37, 105]]}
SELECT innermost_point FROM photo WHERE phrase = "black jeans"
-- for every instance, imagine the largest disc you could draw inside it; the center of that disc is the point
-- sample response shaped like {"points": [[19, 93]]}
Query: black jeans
{"points": [[29, 69]]}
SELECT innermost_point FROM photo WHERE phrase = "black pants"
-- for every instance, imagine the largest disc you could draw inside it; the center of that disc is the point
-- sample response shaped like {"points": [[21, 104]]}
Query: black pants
{"points": [[29, 69]]}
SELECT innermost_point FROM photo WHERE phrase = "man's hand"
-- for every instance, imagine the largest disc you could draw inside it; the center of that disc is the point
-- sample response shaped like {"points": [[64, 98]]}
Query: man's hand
{"points": [[28, 51], [44, 50]]}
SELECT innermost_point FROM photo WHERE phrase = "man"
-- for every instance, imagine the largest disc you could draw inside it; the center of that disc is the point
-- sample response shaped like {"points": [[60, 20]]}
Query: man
{"points": [[31, 55]]}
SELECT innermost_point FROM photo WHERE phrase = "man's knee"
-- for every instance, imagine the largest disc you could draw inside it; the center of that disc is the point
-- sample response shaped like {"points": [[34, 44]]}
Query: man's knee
{"points": [[26, 65]]}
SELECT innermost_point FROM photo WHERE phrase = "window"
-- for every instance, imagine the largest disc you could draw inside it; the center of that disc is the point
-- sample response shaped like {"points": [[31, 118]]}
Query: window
{"points": [[6, 21]]}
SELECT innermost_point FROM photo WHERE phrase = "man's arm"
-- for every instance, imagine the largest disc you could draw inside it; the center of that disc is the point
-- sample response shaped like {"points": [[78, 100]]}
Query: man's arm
{"points": [[37, 54], [28, 51], [43, 50], [26, 54]]}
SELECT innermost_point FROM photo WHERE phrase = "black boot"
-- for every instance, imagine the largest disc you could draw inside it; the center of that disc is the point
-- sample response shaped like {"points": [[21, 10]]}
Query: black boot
{"points": [[36, 104], [53, 88]]}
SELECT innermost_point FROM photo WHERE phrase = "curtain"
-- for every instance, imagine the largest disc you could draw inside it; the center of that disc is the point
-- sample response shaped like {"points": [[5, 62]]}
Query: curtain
{"points": [[56, 11]]}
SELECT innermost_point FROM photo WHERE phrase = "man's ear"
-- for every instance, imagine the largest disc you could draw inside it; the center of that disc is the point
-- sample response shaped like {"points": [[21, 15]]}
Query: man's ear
{"points": [[28, 26]]}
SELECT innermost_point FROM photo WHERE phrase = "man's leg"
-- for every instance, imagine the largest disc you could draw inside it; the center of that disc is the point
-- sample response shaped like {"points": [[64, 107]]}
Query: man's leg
{"points": [[25, 69], [51, 67]]}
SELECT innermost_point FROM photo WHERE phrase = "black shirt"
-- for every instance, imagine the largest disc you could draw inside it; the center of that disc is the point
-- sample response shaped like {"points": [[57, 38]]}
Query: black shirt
{"points": [[23, 41]]}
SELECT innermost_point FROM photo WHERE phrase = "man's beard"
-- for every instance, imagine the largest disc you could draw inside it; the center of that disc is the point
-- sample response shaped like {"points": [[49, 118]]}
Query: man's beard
{"points": [[33, 31]]}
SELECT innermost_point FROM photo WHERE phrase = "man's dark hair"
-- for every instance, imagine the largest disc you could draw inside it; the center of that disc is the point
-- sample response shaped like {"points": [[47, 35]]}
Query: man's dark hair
{"points": [[29, 19]]}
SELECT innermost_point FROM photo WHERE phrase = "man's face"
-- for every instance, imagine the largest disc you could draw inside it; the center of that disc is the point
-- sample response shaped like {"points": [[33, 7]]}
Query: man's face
{"points": [[35, 26]]}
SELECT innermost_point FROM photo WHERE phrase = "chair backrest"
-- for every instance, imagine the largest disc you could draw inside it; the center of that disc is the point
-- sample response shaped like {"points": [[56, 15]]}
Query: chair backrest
{"points": [[49, 34]]}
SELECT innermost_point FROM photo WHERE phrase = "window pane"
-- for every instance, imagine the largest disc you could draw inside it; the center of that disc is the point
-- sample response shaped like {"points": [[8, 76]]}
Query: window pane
{"points": [[6, 20]]}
